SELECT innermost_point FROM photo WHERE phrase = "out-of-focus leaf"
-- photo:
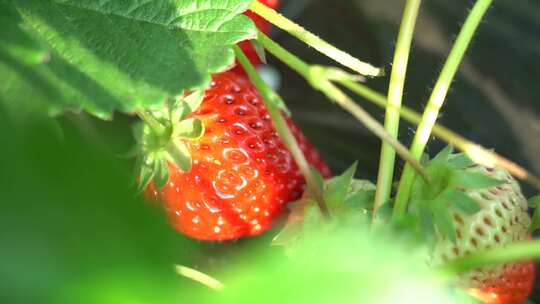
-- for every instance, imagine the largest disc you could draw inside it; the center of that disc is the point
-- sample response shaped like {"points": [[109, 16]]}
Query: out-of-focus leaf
{"points": [[77, 232], [346, 267]]}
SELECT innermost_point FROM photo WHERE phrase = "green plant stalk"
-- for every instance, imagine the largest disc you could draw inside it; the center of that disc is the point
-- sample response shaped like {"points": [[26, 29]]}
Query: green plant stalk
{"points": [[150, 120], [395, 95], [436, 101], [476, 152], [317, 43], [315, 75], [515, 252], [283, 130]]}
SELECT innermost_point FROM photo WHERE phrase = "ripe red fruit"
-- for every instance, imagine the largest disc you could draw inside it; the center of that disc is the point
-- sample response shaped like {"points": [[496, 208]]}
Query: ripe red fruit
{"points": [[241, 173], [513, 286]]}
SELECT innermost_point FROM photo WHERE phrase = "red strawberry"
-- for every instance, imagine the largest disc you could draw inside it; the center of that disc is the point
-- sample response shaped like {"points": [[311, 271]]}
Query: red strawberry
{"points": [[513, 286], [241, 173], [502, 219]]}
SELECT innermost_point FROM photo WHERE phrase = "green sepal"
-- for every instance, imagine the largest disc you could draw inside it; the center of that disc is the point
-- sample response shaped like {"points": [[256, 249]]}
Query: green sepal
{"points": [[336, 190], [137, 129], [361, 199], [182, 106], [424, 159], [259, 50], [292, 232], [190, 129], [427, 225], [443, 219], [534, 202], [193, 101], [444, 154], [313, 219], [460, 161], [462, 202], [162, 173], [178, 154], [288, 235], [472, 180], [145, 172]]}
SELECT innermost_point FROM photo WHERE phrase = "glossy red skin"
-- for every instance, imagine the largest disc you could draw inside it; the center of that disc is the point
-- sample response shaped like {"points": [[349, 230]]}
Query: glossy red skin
{"points": [[513, 287], [242, 174], [262, 25]]}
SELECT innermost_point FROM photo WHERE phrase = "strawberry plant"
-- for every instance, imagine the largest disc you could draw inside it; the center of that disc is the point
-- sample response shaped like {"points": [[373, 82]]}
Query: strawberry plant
{"points": [[230, 202]]}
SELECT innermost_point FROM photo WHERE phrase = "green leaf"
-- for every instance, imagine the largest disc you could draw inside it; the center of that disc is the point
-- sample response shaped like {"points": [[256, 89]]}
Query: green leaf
{"points": [[16, 43], [462, 202], [115, 55], [191, 129], [178, 154], [472, 180], [336, 190]]}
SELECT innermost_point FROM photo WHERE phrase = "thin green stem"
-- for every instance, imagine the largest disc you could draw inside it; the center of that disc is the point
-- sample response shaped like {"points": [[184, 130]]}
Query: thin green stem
{"points": [[476, 152], [283, 130], [150, 120], [317, 43], [436, 101], [395, 95], [515, 252], [315, 75]]}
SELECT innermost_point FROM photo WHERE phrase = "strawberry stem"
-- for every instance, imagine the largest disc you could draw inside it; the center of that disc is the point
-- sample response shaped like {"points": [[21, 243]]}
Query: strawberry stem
{"points": [[150, 120], [317, 77], [395, 95], [312, 40], [436, 101], [476, 152], [283, 130], [520, 251]]}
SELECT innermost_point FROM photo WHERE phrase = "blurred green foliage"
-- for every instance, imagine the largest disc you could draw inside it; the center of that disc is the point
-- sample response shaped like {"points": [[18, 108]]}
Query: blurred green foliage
{"points": [[72, 228], [74, 231]]}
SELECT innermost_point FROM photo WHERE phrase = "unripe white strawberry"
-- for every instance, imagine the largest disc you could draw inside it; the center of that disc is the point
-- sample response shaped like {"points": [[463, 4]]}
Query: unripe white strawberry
{"points": [[501, 220]]}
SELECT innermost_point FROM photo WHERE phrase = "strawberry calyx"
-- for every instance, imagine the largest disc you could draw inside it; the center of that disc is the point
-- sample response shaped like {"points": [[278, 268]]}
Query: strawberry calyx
{"points": [[349, 202], [433, 204], [161, 139]]}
